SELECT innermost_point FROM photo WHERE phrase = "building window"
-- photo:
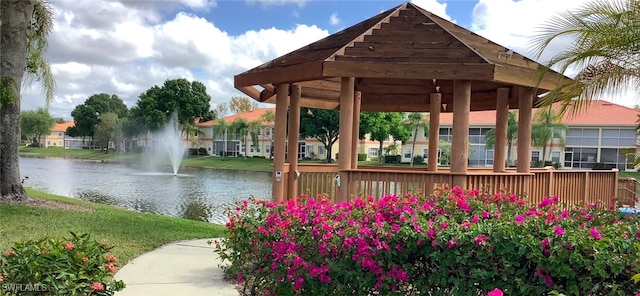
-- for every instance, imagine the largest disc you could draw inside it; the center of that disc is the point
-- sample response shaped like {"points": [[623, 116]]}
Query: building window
{"points": [[619, 137], [252, 149], [59, 134], [582, 137], [267, 148], [48, 143], [373, 152], [535, 155], [59, 143], [243, 148], [555, 156], [445, 134], [258, 148], [268, 133], [406, 153], [425, 153], [320, 150]]}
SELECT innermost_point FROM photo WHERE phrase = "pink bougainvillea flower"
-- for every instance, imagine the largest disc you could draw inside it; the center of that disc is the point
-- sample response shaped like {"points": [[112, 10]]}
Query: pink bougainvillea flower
{"points": [[444, 225], [69, 246], [480, 239], [240, 278], [85, 259], [112, 258], [486, 215], [519, 219], [545, 242], [594, 232], [558, 229], [450, 244], [1, 280], [495, 292], [97, 287], [474, 219], [10, 253]]}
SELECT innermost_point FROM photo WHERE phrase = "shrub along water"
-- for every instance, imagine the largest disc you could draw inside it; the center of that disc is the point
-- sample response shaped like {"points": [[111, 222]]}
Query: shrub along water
{"points": [[448, 243]]}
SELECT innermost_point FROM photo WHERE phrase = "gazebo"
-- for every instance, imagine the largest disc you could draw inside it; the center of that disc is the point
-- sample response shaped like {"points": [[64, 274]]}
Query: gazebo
{"points": [[407, 59]]}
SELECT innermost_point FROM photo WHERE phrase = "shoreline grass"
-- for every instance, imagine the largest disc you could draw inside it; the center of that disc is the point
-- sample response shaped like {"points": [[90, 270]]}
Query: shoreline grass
{"points": [[131, 233]]}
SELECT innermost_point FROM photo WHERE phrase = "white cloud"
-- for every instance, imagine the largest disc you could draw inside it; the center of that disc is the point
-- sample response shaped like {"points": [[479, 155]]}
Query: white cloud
{"points": [[138, 49], [334, 20], [515, 23], [435, 7]]}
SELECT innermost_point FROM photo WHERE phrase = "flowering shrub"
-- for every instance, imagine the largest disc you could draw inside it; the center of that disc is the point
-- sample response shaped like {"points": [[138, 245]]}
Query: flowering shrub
{"points": [[59, 266], [448, 243]]}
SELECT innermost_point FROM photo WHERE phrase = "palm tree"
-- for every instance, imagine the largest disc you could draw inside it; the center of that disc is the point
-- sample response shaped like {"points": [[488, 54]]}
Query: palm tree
{"points": [[221, 128], [240, 127], [546, 123], [24, 26], [605, 49], [415, 121], [512, 135]]}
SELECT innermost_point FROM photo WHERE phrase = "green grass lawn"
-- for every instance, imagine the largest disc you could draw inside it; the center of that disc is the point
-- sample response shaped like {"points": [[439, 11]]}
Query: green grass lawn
{"points": [[230, 163], [132, 233]]}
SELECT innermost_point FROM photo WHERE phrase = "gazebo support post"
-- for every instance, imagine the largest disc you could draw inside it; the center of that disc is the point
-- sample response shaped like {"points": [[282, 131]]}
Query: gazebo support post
{"points": [[435, 106], [277, 189], [356, 130], [345, 131], [525, 105], [294, 134], [502, 119], [460, 139]]}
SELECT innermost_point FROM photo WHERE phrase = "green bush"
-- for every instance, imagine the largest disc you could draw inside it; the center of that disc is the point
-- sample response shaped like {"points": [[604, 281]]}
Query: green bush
{"points": [[59, 266], [448, 243], [362, 156], [418, 159], [392, 158]]}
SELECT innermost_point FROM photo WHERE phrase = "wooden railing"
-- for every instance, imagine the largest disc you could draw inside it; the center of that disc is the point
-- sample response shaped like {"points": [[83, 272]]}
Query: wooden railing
{"points": [[627, 191], [571, 186]]}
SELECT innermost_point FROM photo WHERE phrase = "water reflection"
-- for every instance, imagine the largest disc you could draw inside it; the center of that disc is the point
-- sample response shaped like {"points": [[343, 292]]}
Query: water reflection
{"points": [[196, 193], [196, 208], [97, 197]]}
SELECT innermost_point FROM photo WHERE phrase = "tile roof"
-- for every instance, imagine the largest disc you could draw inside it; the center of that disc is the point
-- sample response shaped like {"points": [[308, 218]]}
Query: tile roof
{"points": [[598, 113], [62, 127], [248, 116]]}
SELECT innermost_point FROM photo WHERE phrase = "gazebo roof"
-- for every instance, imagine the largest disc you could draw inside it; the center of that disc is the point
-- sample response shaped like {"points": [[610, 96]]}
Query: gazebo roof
{"points": [[398, 58]]}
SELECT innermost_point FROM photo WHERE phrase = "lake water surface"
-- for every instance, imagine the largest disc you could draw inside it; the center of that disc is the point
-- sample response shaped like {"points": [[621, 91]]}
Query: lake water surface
{"points": [[195, 193]]}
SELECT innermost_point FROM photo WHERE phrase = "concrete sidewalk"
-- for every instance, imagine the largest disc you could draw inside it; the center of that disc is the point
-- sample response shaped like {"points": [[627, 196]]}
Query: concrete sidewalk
{"points": [[180, 268]]}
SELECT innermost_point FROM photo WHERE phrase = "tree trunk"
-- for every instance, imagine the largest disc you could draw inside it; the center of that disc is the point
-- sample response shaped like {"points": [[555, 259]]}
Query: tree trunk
{"points": [[328, 148], [413, 146], [15, 18], [380, 153], [509, 153]]}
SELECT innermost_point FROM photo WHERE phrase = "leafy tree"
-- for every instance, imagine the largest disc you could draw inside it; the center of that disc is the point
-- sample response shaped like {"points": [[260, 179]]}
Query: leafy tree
{"points": [[605, 35], [188, 99], [322, 125], [221, 129], [87, 116], [512, 135], [546, 122], [35, 123], [221, 110], [242, 104], [254, 128], [381, 125], [414, 122], [105, 130], [268, 118], [24, 25], [240, 127]]}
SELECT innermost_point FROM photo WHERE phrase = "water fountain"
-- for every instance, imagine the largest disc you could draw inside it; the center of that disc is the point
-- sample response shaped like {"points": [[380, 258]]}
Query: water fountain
{"points": [[170, 137]]}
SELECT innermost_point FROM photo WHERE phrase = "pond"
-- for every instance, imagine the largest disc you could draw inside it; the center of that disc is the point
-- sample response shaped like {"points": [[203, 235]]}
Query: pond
{"points": [[195, 193]]}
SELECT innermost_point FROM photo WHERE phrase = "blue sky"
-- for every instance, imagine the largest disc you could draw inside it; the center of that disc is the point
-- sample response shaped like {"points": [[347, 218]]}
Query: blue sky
{"points": [[126, 47]]}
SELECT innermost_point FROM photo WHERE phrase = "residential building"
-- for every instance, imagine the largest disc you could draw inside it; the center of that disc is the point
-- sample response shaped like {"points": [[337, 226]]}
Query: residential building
{"points": [[57, 136], [604, 135], [211, 138]]}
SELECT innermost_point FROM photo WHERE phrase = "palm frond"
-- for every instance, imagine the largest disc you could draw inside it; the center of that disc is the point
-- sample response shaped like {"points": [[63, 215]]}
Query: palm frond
{"points": [[38, 68]]}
